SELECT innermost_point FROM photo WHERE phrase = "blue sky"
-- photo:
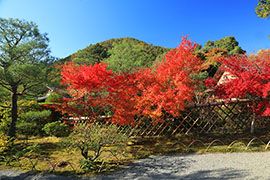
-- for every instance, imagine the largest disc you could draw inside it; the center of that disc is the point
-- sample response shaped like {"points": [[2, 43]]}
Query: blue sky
{"points": [[74, 24]]}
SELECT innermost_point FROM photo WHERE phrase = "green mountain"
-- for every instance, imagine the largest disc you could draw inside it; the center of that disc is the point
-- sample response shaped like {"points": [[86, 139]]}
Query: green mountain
{"points": [[121, 54], [128, 54]]}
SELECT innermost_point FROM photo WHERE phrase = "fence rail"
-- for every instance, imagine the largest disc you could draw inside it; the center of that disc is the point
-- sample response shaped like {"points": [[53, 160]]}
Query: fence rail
{"points": [[234, 116]]}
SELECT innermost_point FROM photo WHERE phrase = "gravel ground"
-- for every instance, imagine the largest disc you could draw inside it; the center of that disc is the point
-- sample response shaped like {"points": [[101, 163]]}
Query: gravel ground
{"points": [[207, 166]]}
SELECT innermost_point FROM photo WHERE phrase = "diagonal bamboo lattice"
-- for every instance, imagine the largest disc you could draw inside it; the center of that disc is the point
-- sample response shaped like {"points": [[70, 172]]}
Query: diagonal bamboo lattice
{"points": [[214, 117]]}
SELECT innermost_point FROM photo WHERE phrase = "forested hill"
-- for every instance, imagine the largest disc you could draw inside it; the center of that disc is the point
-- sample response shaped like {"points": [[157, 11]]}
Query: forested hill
{"points": [[128, 54], [121, 54]]}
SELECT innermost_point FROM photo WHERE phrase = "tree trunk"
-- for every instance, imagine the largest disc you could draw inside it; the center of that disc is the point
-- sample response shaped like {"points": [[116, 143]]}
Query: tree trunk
{"points": [[84, 152], [14, 113]]}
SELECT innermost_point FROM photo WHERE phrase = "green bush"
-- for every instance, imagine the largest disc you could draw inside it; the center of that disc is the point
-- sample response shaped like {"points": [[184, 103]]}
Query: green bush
{"points": [[4, 143], [91, 140], [57, 129], [5, 118], [28, 128], [30, 119], [37, 116], [32, 122], [88, 165]]}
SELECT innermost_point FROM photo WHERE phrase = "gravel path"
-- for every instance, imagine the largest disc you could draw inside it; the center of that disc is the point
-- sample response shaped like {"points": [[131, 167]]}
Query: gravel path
{"points": [[207, 166]]}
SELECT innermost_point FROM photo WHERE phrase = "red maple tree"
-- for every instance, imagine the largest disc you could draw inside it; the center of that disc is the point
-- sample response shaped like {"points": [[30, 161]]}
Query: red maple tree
{"points": [[87, 89], [149, 92], [169, 86], [94, 90], [251, 80]]}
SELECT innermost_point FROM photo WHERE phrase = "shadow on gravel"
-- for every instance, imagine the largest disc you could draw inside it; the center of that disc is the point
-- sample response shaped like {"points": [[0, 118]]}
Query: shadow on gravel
{"points": [[157, 167], [220, 174], [166, 167], [33, 175]]}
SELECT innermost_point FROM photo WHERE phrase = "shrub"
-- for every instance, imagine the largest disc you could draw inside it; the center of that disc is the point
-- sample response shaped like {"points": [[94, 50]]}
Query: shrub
{"points": [[37, 116], [93, 137], [57, 129], [4, 143], [28, 128], [32, 122], [5, 118], [27, 111]]}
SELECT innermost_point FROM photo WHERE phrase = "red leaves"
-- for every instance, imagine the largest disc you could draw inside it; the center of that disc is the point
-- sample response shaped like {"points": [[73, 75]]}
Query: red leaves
{"points": [[90, 78], [87, 86], [251, 79], [94, 91], [169, 86], [210, 82], [165, 89], [162, 90]]}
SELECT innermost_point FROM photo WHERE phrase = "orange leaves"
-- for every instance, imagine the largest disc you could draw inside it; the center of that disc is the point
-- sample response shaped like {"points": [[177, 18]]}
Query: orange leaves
{"points": [[212, 57], [263, 54]]}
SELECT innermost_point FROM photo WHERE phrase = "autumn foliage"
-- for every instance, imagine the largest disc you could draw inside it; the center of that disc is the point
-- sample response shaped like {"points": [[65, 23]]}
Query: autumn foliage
{"points": [[164, 89], [250, 80], [169, 86]]}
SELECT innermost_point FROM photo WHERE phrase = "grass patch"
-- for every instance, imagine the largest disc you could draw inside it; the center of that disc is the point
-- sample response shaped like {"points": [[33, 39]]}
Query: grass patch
{"points": [[53, 157], [184, 144]]}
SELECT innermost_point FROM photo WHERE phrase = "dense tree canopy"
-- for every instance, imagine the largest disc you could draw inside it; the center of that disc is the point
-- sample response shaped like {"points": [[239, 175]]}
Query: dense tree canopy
{"points": [[164, 88], [228, 44], [167, 88], [24, 54], [122, 54], [129, 56], [149, 92], [213, 50], [250, 78], [91, 55], [263, 8], [94, 90], [261, 54]]}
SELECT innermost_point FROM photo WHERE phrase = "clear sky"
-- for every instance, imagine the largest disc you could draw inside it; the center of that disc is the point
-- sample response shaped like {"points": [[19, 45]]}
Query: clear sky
{"points": [[74, 24]]}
